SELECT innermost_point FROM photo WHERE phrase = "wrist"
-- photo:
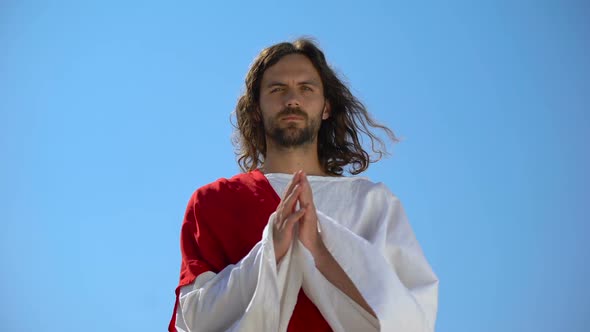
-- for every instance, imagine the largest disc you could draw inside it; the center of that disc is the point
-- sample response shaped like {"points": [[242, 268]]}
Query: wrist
{"points": [[321, 254]]}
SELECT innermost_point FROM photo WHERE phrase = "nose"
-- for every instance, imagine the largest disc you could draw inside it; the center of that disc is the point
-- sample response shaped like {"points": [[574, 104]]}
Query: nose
{"points": [[292, 98]]}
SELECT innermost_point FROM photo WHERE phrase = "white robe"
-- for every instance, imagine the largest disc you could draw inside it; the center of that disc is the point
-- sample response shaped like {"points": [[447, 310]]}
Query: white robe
{"points": [[365, 228]]}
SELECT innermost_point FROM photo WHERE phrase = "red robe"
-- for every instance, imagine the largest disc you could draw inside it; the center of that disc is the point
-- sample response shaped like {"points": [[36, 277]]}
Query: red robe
{"points": [[222, 223]]}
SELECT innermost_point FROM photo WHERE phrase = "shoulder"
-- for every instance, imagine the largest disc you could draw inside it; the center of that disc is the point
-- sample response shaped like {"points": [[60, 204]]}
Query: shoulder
{"points": [[217, 189], [364, 186], [223, 189], [223, 184]]}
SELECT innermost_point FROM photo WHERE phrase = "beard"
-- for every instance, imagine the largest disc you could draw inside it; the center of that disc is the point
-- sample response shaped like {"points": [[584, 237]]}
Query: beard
{"points": [[292, 135]]}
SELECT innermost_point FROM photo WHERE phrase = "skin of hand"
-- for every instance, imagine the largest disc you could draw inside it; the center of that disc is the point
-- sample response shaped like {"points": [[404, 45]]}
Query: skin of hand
{"points": [[310, 237], [299, 190], [286, 217], [308, 225]]}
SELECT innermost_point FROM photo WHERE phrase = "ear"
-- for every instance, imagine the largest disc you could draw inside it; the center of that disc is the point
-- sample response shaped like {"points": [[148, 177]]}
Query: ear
{"points": [[327, 110]]}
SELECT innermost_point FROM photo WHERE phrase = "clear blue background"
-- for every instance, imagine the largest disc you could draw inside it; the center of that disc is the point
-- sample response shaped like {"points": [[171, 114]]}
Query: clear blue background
{"points": [[113, 112]]}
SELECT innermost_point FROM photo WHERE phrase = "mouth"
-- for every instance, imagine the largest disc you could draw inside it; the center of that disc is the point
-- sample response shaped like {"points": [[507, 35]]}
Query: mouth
{"points": [[292, 118]]}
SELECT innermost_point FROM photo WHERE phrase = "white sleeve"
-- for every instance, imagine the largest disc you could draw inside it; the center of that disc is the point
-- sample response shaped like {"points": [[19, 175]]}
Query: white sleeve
{"points": [[252, 295], [393, 276], [339, 310]]}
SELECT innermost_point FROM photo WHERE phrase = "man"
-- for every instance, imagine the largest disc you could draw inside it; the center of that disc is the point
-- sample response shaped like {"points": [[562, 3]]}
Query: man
{"points": [[332, 253]]}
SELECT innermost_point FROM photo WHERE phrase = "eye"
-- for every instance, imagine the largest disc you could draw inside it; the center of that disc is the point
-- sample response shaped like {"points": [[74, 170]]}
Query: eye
{"points": [[276, 89], [306, 88]]}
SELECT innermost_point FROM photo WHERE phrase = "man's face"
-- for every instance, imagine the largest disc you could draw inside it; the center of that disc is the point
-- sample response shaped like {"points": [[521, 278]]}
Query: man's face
{"points": [[292, 101]]}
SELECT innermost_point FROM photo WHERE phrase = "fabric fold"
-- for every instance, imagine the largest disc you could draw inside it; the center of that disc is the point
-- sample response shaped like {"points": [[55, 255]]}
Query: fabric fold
{"points": [[339, 310], [275, 287], [236, 285], [395, 306]]}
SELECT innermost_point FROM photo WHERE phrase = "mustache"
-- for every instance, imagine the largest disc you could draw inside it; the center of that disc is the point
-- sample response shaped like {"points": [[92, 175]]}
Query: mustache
{"points": [[292, 111]]}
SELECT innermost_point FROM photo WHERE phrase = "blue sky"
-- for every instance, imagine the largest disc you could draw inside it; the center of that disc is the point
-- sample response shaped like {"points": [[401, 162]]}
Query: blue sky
{"points": [[112, 113]]}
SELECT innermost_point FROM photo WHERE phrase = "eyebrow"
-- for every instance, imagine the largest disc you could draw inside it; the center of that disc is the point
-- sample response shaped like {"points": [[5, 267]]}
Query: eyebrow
{"points": [[307, 82]]}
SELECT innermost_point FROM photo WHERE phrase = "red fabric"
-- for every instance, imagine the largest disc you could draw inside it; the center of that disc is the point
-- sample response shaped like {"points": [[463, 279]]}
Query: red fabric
{"points": [[222, 223]]}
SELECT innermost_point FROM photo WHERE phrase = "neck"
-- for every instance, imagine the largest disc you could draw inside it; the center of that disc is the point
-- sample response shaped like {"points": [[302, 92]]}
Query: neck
{"points": [[290, 160]]}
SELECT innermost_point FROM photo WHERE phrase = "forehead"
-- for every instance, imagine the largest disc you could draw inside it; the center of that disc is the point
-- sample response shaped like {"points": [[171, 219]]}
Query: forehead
{"points": [[291, 67]]}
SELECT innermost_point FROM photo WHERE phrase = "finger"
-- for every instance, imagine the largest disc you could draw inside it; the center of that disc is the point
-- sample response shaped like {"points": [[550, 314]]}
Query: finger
{"points": [[294, 181], [306, 196], [293, 218], [287, 206]]}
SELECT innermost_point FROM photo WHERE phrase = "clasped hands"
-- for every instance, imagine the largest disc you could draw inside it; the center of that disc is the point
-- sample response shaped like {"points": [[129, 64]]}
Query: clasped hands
{"points": [[287, 215]]}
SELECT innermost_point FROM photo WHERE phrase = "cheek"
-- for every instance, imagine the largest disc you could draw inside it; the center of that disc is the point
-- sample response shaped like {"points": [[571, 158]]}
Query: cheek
{"points": [[268, 104]]}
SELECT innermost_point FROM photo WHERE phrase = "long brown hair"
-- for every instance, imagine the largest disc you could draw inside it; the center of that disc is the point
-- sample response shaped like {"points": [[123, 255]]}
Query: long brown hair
{"points": [[339, 142]]}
